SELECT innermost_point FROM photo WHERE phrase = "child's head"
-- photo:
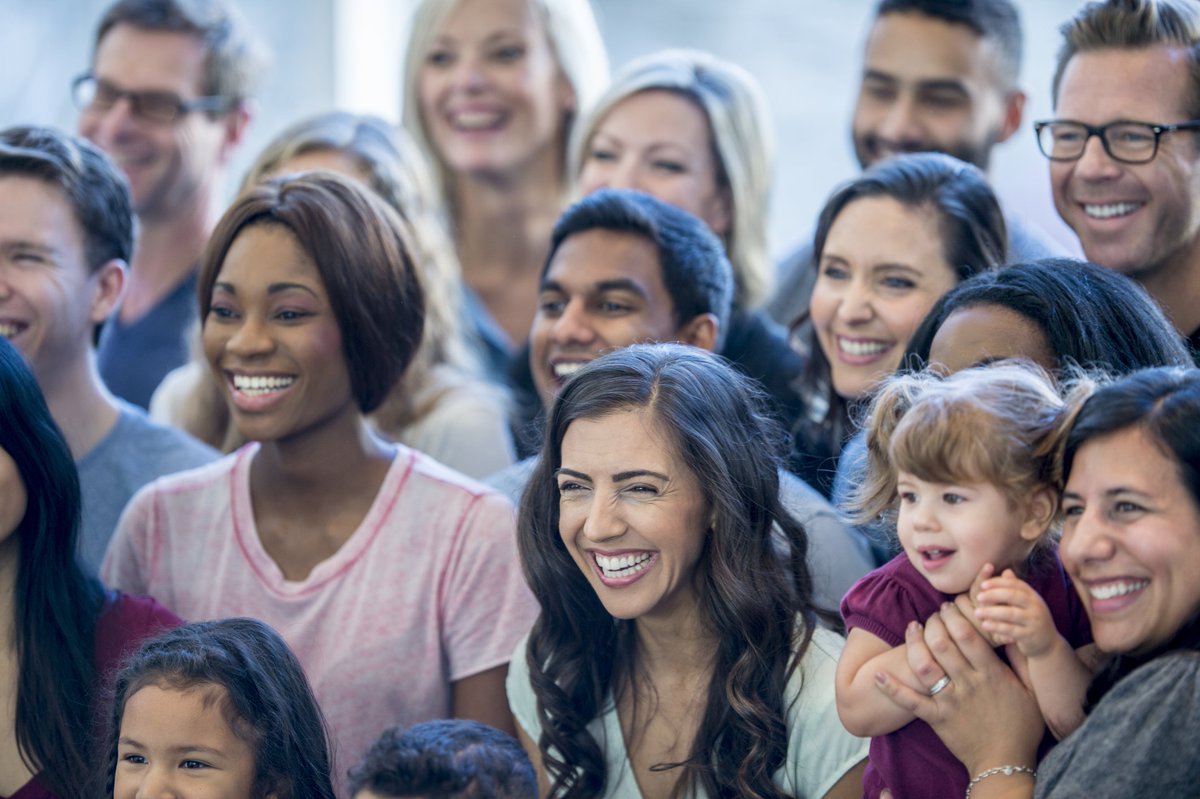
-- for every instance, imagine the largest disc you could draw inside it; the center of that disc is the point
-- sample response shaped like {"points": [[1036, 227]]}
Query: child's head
{"points": [[447, 759], [966, 463], [217, 709]]}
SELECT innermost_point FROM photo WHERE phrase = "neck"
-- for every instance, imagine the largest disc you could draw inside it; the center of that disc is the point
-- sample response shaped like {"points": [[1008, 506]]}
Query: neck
{"points": [[1175, 286], [314, 466], [81, 406], [10, 551], [504, 222], [168, 250], [676, 643]]}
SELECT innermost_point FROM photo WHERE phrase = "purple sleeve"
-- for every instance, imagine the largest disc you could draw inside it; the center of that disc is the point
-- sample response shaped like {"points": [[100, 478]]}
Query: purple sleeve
{"points": [[124, 623], [887, 599]]}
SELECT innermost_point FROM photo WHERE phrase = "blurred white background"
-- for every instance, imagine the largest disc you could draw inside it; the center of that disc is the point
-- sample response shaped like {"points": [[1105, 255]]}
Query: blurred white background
{"points": [[346, 54]]}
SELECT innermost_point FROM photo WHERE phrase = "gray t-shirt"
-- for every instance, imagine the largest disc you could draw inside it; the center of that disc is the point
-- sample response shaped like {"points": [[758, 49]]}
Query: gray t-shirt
{"points": [[795, 276], [837, 558], [1137, 741], [135, 452]]}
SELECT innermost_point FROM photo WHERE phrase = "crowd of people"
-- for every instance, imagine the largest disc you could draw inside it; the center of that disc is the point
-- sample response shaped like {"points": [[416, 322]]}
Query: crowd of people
{"points": [[489, 455]]}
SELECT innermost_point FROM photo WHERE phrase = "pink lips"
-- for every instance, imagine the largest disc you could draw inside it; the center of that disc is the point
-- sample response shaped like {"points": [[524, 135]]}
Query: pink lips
{"points": [[933, 558]]}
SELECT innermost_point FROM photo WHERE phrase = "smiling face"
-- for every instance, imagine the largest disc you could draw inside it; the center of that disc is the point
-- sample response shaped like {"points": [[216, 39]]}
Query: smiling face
{"points": [[170, 166], [1139, 219], [273, 341], [982, 334], [931, 85], [50, 300], [950, 531], [631, 514], [492, 96], [180, 743], [881, 270], [1131, 541], [659, 142], [603, 290]]}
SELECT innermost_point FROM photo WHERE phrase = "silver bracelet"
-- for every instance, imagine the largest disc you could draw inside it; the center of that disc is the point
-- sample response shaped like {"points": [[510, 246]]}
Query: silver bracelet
{"points": [[1007, 771]]}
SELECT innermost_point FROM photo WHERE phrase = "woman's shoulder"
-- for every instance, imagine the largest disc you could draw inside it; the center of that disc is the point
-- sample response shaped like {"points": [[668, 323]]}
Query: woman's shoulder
{"points": [[124, 622]]}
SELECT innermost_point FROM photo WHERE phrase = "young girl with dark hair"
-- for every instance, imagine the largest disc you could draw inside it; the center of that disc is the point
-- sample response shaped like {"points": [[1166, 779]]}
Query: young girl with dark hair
{"points": [[218, 707], [65, 633], [678, 651]]}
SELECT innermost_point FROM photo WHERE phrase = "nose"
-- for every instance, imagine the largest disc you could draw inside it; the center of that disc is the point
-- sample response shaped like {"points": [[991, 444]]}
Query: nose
{"points": [[620, 173], [1096, 163], [250, 339], [469, 73], [104, 127], [922, 515], [573, 325], [855, 306], [901, 123], [1086, 539], [156, 784], [604, 521]]}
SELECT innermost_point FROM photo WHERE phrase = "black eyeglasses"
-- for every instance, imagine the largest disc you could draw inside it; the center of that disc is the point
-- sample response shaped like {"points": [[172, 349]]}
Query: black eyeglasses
{"points": [[1125, 141], [92, 94]]}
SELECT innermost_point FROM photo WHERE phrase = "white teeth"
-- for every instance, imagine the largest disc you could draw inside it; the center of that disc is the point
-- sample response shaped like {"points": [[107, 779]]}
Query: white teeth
{"points": [[852, 347], [8, 331], [933, 554], [257, 385], [623, 565], [1110, 590], [476, 120], [564, 370], [1109, 211]]}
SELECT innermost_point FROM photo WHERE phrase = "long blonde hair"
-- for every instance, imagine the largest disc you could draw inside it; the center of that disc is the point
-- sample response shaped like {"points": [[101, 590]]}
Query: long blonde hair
{"points": [[574, 37]]}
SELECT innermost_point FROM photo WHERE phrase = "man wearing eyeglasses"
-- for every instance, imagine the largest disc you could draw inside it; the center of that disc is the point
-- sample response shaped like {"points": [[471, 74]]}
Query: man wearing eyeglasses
{"points": [[937, 76], [166, 97], [1124, 147]]}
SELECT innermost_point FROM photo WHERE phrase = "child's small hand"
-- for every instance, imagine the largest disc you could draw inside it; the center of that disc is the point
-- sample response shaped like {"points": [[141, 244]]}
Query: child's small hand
{"points": [[1014, 614], [967, 602]]}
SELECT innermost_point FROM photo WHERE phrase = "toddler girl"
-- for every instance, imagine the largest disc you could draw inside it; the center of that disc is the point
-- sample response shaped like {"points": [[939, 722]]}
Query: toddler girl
{"points": [[966, 465], [217, 708]]}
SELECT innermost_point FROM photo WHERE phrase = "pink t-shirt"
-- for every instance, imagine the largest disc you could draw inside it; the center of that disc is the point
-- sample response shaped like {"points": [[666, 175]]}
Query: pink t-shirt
{"points": [[428, 590]]}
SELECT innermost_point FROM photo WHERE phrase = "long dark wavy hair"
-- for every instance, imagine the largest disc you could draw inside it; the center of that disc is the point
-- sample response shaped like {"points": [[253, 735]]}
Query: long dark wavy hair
{"points": [[754, 585], [55, 604], [974, 239], [266, 696], [1165, 403]]}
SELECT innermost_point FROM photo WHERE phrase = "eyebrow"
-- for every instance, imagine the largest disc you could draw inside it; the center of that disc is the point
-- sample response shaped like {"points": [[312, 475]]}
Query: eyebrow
{"points": [[619, 477], [931, 84], [197, 748], [1111, 492], [912, 270], [616, 284], [274, 288], [25, 244]]}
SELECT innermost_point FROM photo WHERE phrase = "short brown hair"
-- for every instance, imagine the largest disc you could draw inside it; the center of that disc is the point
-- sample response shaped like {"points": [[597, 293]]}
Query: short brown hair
{"points": [[360, 249], [1132, 25], [235, 58]]}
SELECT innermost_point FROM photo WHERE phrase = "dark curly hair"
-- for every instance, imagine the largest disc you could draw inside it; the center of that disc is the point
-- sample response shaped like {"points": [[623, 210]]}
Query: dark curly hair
{"points": [[268, 700], [446, 759], [756, 600]]}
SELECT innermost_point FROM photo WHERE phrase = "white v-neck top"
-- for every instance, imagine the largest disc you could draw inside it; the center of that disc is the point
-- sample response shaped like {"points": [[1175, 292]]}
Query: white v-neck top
{"points": [[819, 753]]}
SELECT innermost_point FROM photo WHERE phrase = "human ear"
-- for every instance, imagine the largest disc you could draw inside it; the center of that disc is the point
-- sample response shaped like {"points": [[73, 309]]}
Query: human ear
{"points": [[1014, 111], [718, 214], [700, 331], [108, 283], [1039, 513]]}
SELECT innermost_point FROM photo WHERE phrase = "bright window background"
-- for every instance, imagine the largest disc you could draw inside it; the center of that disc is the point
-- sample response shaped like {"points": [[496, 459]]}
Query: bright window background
{"points": [[346, 54]]}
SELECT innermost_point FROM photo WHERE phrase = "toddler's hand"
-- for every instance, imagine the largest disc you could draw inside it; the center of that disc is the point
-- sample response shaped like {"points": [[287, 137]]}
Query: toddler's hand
{"points": [[1013, 613]]}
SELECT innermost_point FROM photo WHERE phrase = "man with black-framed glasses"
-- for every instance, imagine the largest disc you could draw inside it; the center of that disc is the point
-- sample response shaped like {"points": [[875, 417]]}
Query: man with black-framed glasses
{"points": [[167, 97], [1124, 146]]}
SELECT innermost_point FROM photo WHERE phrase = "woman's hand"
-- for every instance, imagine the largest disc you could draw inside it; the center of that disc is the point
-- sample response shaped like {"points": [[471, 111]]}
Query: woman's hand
{"points": [[985, 716]]}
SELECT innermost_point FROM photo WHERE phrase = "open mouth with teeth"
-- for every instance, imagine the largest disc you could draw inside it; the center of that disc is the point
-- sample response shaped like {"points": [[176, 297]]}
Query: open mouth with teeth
{"points": [[10, 329], [620, 568], [565, 369], [862, 347], [260, 385], [473, 121], [1110, 210], [1116, 589]]}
